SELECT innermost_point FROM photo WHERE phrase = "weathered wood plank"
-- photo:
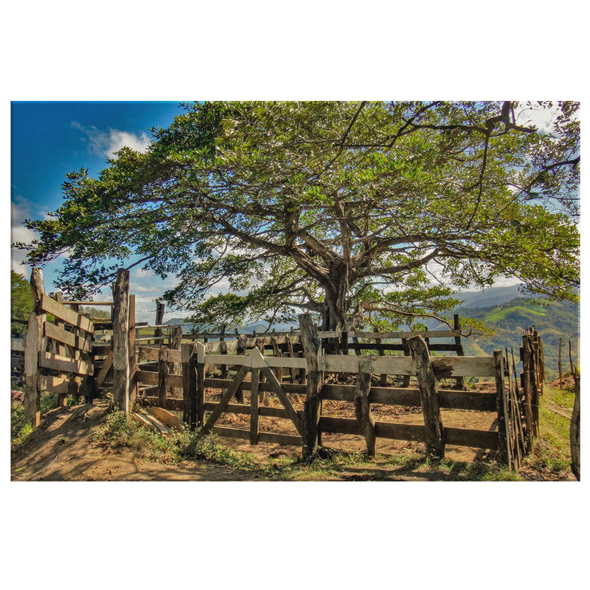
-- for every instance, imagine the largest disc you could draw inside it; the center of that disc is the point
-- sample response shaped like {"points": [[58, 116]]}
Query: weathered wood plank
{"points": [[151, 353], [167, 418], [391, 335], [400, 347], [81, 341], [444, 367], [392, 396], [67, 315], [105, 369], [147, 377], [286, 362], [53, 384], [245, 386], [350, 364], [64, 364]]}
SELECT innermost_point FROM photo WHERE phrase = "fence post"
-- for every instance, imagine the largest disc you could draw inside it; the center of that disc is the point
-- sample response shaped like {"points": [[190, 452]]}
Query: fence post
{"points": [[162, 376], [577, 432], [459, 382], [315, 380], [174, 368], [200, 351], [189, 384], [133, 384], [121, 370], [362, 406], [500, 370], [62, 350], [529, 387], [433, 428], [34, 344], [159, 320]]}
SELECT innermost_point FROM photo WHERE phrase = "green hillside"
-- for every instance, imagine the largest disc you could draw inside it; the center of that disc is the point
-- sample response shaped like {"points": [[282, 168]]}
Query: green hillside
{"points": [[552, 320]]}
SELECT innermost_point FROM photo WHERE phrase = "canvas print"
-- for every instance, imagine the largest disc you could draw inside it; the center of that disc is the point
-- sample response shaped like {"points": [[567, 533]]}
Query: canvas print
{"points": [[295, 291]]}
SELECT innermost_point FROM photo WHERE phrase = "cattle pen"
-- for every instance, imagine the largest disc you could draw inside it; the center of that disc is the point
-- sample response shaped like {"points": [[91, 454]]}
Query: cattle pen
{"points": [[70, 354]]}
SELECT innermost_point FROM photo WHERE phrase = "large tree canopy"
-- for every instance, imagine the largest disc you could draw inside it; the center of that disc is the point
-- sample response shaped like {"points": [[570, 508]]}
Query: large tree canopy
{"points": [[338, 208]]}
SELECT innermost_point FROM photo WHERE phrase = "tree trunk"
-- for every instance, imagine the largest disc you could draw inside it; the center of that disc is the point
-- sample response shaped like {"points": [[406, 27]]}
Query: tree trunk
{"points": [[335, 305]]}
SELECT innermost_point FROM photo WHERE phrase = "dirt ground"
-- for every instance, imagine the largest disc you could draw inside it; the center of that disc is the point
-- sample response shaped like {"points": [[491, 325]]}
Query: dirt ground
{"points": [[61, 450], [350, 442]]}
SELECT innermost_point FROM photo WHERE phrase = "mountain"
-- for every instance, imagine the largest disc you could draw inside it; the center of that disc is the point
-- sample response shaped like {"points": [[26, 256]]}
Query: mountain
{"points": [[488, 297], [552, 320]]}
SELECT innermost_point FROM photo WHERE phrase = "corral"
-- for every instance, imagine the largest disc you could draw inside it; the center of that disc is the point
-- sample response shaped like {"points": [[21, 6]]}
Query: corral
{"points": [[284, 376]]}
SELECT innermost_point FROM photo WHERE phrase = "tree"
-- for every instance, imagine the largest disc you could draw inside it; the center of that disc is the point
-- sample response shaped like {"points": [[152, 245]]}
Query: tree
{"points": [[21, 303], [341, 208]]}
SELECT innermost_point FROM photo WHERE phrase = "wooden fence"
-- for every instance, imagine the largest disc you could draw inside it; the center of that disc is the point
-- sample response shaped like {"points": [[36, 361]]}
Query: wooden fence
{"points": [[63, 356], [510, 438], [58, 353]]}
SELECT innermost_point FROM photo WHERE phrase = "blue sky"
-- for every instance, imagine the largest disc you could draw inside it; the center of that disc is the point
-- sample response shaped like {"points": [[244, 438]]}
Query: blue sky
{"points": [[50, 139]]}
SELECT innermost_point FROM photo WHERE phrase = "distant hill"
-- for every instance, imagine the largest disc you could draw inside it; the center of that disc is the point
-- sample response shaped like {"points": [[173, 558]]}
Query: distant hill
{"points": [[552, 320], [488, 297]]}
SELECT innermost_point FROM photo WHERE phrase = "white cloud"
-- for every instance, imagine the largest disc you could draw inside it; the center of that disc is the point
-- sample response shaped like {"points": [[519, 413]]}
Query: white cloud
{"points": [[21, 210], [106, 143]]}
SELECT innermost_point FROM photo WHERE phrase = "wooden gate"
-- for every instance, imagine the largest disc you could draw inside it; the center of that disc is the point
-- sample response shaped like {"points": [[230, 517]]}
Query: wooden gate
{"points": [[58, 354], [258, 365]]}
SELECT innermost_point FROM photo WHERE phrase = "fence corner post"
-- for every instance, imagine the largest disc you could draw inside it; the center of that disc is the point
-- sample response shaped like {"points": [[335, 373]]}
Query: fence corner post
{"points": [[315, 380], [433, 427], [200, 351], [34, 344], [121, 369]]}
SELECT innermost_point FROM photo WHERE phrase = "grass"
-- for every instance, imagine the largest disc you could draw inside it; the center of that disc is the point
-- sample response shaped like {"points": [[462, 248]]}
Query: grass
{"points": [[120, 430], [20, 428], [551, 450]]}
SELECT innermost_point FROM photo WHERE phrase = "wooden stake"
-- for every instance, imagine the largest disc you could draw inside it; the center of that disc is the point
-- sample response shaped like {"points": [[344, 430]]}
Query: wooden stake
{"points": [[162, 376], [189, 384], [315, 380], [362, 406], [121, 369], [503, 450], [433, 427], [35, 343]]}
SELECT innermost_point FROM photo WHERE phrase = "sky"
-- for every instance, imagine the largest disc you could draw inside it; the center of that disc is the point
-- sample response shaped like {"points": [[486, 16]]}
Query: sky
{"points": [[52, 137]]}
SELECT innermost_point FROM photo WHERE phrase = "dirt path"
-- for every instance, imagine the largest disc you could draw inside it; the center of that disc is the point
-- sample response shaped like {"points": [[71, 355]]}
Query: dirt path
{"points": [[61, 450]]}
